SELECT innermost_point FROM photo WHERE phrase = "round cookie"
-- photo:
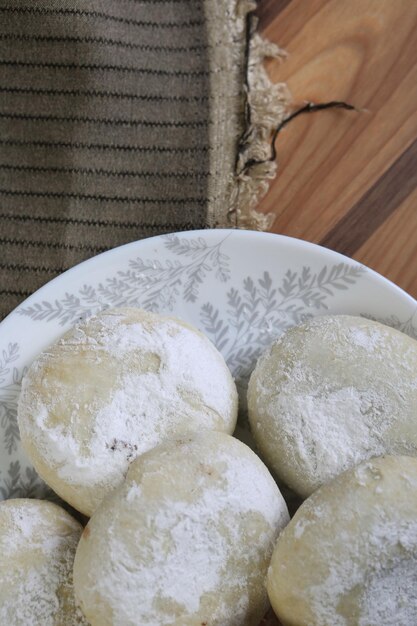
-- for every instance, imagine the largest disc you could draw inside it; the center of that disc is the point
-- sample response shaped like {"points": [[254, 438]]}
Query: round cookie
{"points": [[37, 547], [112, 388], [349, 555], [186, 540], [331, 393]]}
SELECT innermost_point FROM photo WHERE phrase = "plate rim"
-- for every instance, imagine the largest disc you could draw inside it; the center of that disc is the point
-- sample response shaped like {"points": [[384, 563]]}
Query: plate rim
{"points": [[210, 232], [246, 250]]}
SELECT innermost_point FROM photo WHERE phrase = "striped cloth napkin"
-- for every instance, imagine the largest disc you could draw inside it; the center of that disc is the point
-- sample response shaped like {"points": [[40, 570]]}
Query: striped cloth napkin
{"points": [[118, 120]]}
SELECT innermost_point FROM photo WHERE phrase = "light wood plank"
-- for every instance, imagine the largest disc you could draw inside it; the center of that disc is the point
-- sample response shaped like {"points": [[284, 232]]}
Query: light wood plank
{"points": [[364, 52]]}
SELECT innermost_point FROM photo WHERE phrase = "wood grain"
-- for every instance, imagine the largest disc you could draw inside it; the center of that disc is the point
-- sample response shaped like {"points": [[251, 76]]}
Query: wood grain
{"points": [[376, 205], [347, 180]]}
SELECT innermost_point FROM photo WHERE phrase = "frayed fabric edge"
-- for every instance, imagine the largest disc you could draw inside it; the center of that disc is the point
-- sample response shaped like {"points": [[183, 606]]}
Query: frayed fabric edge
{"points": [[246, 108], [267, 104]]}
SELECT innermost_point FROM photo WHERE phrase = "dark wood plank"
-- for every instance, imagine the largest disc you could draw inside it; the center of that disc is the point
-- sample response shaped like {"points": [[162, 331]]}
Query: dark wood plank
{"points": [[375, 206]]}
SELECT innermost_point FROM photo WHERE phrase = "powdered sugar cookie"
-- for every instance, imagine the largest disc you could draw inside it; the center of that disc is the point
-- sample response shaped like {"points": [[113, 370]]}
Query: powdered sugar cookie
{"points": [[332, 392], [185, 540], [37, 547], [349, 555], [112, 388]]}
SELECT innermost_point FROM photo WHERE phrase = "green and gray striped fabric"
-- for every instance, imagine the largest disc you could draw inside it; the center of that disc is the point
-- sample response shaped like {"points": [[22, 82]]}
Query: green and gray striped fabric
{"points": [[104, 130]]}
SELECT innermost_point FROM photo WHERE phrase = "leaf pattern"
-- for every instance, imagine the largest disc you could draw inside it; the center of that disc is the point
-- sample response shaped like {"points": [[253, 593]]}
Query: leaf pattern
{"points": [[9, 392], [261, 310], [149, 283], [312, 288], [9, 354], [24, 484], [214, 325], [408, 326]]}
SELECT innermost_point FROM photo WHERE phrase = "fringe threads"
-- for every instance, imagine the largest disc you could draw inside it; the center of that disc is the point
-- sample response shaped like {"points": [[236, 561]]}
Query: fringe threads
{"points": [[266, 106], [246, 107]]}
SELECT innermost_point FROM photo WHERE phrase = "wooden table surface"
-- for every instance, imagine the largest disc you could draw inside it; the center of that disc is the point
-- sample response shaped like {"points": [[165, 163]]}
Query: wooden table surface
{"points": [[348, 180]]}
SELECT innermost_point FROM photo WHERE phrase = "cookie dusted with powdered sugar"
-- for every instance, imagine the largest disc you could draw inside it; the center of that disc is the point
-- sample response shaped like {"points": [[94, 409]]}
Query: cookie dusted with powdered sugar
{"points": [[186, 540], [37, 546], [112, 388], [330, 393], [349, 555]]}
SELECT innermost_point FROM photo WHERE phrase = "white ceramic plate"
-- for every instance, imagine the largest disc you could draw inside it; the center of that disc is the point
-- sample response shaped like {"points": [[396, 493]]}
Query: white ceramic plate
{"points": [[241, 288]]}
